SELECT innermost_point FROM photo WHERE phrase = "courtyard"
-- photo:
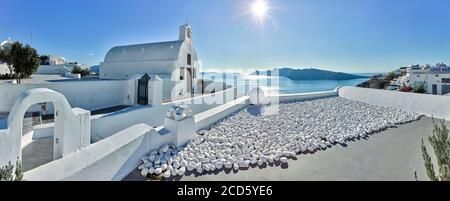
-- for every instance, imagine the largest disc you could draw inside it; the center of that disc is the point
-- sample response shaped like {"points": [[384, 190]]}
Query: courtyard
{"points": [[324, 139]]}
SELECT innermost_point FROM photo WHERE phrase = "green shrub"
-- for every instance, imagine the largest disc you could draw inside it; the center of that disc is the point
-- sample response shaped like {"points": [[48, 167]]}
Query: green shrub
{"points": [[441, 146], [82, 71], [8, 173], [420, 89], [391, 76], [6, 76]]}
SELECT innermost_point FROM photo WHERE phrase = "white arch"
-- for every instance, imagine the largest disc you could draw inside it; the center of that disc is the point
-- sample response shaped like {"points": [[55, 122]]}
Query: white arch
{"points": [[71, 131]]}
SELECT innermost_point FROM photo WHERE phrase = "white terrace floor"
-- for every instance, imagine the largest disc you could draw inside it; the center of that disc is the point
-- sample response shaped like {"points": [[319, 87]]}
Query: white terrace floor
{"points": [[392, 154]]}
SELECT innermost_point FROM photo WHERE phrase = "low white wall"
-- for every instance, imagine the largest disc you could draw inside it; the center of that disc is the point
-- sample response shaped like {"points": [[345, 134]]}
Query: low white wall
{"points": [[43, 131], [90, 95], [110, 159], [208, 118], [104, 160], [302, 96], [103, 126], [52, 70], [72, 128], [206, 101], [430, 105], [260, 96]]}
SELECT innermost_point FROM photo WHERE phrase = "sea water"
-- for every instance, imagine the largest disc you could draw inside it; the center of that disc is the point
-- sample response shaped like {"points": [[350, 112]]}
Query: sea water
{"points": [[279, 84]]}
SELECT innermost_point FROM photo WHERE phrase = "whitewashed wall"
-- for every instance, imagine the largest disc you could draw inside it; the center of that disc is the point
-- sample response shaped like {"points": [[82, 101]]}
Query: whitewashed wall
{"points": [[90, 95], [210, 117], [109, 159], [4, 69], [303, 96], [72, 129], [430, 105], [103, 126], [52, 70]]}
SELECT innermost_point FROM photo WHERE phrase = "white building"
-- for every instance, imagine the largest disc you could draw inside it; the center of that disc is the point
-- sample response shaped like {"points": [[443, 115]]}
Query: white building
{"points": [[56, 65], [3, 67], [172, 61], [56, 60], [436, 79], [6, 43]]}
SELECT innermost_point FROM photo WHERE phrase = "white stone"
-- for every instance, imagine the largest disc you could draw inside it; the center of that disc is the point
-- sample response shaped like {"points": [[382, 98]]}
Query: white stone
{"points": [[260, 162], [149, 164], [144, 172], [190, 167], [176, 164], [219, 165], [167, 174], [183, 163], [205, 167], [158, 171], [228, 165], [164, 149], [174, 172], [164, 166], [181, 171], [211, 167], [151, 170], [141, 166], [236, 166]]}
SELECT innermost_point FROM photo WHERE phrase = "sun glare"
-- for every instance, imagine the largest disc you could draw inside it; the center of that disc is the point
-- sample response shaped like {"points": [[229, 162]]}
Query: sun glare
{"points": [[259, 8]]}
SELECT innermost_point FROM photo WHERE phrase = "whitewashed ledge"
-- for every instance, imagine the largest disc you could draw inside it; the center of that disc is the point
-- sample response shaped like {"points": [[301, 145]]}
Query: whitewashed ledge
{"points": [[110, 159], [260, 96], [206, 119], [426, 104], [283, 98]]}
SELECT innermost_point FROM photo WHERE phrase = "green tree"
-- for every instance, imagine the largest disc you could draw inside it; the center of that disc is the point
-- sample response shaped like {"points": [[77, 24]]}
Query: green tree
{"points": [[5, 56], [45, 59], [25, 60], [420, 89], [441, 145]]}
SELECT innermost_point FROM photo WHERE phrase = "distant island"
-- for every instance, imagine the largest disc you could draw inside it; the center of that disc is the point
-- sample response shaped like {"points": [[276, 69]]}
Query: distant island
{"points": [[310, 74]]}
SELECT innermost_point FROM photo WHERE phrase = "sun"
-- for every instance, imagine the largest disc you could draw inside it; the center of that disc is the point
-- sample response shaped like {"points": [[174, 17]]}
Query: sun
{"points": [[260, 11], [259, 8]]}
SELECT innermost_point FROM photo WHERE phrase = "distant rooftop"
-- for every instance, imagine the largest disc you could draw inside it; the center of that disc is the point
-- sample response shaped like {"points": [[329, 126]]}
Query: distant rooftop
{"points": [[50, 78]]}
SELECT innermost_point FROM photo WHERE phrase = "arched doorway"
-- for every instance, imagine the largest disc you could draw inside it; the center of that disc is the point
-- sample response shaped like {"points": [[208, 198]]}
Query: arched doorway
{"points": [[71, 129], [38, 136], [143, 89]]}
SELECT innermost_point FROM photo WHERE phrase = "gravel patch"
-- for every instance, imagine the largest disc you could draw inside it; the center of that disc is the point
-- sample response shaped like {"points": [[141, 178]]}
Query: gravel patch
{"points": [[249, 138]]}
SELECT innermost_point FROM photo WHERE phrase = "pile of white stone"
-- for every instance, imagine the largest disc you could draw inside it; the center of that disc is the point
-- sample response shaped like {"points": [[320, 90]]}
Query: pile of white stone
{"points": [[248, 138]]}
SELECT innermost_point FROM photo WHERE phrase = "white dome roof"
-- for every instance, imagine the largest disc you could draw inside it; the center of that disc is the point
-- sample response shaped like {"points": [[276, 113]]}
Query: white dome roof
{"points": [[162, 51]]}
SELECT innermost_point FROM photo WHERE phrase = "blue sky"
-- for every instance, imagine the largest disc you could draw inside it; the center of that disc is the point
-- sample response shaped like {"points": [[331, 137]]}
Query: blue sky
{"points": [[341, 35]]}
